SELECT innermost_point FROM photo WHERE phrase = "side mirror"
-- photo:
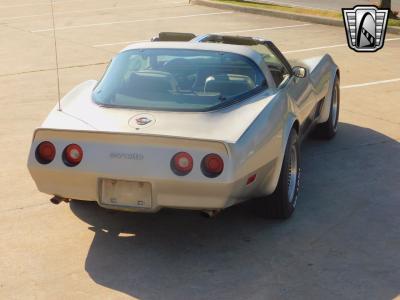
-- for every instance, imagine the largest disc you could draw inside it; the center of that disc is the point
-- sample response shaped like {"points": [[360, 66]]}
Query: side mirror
{"points": [[299, 72]]}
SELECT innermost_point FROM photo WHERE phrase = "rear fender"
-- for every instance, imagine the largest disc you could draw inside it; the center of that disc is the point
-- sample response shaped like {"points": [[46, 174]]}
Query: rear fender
{"points": [[272, 181], [261, 149]]}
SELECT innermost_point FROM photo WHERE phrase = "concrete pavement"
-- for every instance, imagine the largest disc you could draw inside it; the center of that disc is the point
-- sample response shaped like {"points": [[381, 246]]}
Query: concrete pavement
{"points": [[342, 242]]}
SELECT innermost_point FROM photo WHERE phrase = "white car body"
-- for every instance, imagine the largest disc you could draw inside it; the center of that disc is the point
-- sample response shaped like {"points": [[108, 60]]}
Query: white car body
{"points": [[250, 136]]}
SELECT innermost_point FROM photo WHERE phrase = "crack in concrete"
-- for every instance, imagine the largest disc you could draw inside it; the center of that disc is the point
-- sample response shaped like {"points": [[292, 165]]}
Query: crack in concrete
{"points": [[23, 207], [53, 69], [51, 37]]}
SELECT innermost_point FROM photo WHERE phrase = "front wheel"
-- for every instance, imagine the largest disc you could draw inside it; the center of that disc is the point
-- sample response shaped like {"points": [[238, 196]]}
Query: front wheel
{"points": [[282, 202], [328, 129]]}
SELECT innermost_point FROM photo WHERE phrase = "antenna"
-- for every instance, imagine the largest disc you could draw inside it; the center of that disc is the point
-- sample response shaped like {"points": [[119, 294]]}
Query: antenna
{"points": [[56, 54]]}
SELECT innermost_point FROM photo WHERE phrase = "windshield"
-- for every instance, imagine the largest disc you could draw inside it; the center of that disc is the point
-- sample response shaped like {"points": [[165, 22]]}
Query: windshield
{"points": [[176, 79]]}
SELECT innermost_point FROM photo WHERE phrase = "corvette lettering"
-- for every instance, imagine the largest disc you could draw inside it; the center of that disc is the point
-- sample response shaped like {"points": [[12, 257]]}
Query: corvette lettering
{"points": [[133, 156]]}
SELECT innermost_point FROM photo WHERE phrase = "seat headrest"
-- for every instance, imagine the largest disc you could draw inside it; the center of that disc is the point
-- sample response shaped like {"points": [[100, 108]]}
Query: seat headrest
{"points": [[152, 81]]}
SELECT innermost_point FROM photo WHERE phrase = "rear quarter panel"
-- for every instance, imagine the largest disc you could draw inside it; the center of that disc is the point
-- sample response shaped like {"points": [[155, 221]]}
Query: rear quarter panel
{"points": [[260, 149]]}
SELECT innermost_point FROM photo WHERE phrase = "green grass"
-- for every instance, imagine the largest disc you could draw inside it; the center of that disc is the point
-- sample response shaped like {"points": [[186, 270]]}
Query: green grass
{"points": [[394, 22], [296, 10]]}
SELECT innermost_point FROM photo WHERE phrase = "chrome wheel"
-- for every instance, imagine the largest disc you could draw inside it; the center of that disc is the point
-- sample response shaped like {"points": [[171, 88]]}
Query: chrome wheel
{"points": [[334, 108], [292, 174]]}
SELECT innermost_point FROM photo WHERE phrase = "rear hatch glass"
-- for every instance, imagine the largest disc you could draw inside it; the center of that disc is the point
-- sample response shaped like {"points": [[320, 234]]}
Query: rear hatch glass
{"points": [[178, 80]]}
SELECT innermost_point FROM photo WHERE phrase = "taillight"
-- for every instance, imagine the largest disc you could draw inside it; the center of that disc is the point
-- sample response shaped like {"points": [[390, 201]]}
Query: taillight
{"points": [[182, 163], [72, 155], [212, 165], [45, 152]]}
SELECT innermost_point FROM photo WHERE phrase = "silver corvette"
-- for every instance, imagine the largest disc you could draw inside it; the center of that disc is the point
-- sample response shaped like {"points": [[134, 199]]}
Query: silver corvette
{"points": [[191, 122]]}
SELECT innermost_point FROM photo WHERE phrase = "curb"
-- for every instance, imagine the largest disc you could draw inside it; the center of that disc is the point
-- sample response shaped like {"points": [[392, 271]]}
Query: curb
{"points": [[281, 14]]}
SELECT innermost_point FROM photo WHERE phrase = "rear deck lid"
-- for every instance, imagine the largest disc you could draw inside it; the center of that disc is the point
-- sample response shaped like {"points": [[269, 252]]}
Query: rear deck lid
{"points": [[79, 112]]}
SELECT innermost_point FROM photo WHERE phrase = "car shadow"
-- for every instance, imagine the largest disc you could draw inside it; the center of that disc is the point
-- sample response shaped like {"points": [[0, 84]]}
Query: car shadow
{"points": [[238, 255]]}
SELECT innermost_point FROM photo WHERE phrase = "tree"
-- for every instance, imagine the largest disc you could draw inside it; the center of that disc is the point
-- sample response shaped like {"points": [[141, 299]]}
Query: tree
{"points": [[388, 4]]}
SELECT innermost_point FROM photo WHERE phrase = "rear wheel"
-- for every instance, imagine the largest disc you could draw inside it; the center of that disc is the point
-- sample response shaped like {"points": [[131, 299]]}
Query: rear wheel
{"points": [[328, 129], [282, 202]]}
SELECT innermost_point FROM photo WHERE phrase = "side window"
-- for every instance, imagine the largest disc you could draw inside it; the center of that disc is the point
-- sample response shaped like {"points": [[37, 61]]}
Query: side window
{"points": [[277, 68]]}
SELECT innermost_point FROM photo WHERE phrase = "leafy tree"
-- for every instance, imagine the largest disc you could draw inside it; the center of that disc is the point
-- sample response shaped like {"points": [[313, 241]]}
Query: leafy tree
{"points": [[388, 4]]}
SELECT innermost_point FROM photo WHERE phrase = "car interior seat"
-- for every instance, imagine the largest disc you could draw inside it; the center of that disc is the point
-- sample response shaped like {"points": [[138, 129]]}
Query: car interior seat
{"points": [[228, 85]]}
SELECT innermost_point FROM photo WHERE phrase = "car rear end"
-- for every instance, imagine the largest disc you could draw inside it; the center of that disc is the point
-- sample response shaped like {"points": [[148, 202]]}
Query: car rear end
{"points": [[133, 172]]}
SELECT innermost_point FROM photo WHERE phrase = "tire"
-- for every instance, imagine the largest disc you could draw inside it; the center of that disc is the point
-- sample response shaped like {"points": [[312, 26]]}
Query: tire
{"points": [[328, 129], [281, 204]]}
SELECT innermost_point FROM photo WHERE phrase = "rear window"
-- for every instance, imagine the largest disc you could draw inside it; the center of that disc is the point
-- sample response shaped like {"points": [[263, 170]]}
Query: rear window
{"points": [[178, 80]]}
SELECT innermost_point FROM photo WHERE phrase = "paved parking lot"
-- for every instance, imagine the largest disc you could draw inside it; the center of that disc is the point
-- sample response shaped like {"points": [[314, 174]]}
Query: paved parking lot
{"points": [[343, 242]]}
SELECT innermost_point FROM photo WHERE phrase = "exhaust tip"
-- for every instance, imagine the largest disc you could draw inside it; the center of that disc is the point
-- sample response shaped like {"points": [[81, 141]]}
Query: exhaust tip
{"points": [[57, 200], [211, 213]]}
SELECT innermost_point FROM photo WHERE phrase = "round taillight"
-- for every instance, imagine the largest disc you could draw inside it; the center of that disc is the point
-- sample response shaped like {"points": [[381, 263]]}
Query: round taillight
{"points": [[72, 155], [182, 163], [45, 152], [212, 165]]}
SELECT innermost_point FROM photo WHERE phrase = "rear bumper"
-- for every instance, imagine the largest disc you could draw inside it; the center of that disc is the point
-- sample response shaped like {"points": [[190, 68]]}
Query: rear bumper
{"points": [[164, 193]]}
